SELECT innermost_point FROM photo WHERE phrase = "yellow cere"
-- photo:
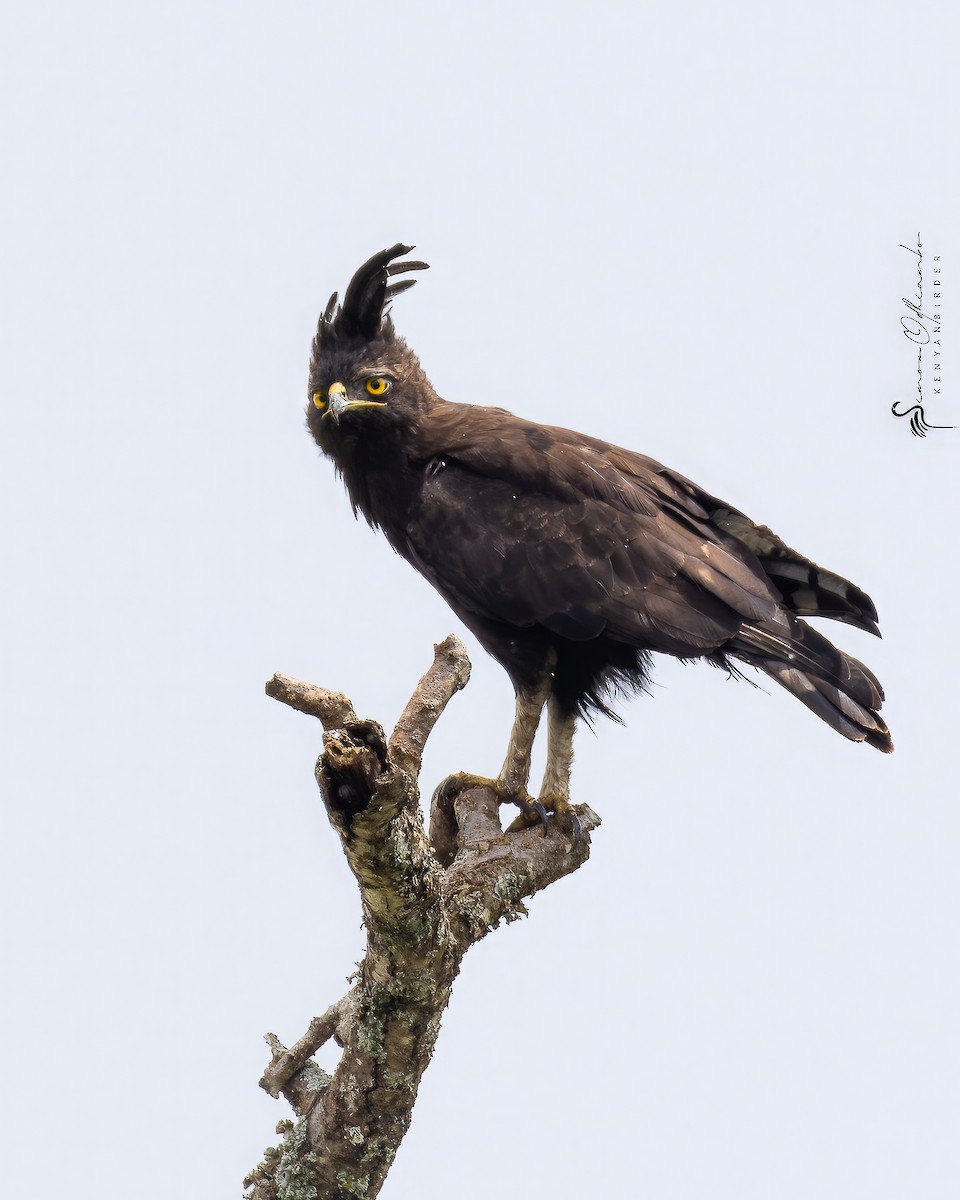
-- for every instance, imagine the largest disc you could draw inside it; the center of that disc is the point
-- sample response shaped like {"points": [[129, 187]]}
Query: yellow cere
{"points": [[377, 385]]}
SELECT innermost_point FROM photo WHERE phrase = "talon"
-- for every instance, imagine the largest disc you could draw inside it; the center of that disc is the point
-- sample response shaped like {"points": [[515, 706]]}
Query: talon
{"points": [[531, 813], [565, 816]]}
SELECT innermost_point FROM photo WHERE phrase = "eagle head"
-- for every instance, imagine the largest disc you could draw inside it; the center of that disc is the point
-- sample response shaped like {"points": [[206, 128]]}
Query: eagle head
{"points": [[365, 383]]}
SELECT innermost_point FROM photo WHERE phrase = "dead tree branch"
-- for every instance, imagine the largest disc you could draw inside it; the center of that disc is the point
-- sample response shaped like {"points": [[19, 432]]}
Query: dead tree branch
{"points": [[426, 899]]}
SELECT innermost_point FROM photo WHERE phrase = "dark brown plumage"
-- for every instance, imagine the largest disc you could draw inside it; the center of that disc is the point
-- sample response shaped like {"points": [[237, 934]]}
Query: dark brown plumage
{"points": [[571, 560]]}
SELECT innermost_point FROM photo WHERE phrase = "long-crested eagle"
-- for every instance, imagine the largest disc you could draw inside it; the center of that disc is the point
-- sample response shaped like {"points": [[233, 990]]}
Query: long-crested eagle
{"points": [[569, 559]]}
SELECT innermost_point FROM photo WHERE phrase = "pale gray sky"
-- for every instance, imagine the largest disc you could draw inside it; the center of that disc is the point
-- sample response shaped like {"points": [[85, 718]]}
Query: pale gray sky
{"points": [[675, 229]]}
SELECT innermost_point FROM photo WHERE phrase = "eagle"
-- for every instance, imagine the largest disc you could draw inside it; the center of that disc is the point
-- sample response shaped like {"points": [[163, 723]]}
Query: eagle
{"points": [[571, 560]]}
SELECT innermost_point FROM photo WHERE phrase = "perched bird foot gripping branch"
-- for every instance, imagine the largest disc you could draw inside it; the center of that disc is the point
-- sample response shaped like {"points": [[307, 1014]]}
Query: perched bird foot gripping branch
{"points": [[571, 560], [532, 812]]}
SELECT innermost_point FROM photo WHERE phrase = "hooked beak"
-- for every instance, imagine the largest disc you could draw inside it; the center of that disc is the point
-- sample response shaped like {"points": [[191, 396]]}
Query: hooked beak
{"points": [[338, 403]]}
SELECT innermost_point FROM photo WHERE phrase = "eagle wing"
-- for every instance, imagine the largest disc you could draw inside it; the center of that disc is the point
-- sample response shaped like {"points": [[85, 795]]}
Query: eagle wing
{"points": [[526, 524]]}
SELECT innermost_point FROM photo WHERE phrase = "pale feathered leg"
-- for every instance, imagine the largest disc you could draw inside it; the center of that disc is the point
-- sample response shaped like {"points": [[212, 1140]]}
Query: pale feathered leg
{"points": [[555, 789], [512, 782], [515, 773]]}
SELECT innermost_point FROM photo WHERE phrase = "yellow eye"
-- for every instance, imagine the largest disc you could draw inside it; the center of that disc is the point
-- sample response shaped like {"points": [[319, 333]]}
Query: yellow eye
{"points": [[320, 400], [377, 385]]}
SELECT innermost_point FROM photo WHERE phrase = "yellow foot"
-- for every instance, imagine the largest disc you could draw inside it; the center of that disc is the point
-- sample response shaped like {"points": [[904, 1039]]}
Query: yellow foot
{"points": [[532, 811], [463, 781]]}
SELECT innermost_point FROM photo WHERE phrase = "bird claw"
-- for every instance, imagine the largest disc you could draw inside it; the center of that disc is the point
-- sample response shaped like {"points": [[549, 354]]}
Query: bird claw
{"points": [[566, 818], [576, 829], [532, 812]]}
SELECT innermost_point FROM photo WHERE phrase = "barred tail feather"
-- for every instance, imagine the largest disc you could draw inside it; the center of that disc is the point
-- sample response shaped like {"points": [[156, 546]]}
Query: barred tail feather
{"points": [[840, 712], [834, 685]]}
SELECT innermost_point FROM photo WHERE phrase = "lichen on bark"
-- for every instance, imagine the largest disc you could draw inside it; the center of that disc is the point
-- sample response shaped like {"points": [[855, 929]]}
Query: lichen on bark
{"points": [[427, 896]]}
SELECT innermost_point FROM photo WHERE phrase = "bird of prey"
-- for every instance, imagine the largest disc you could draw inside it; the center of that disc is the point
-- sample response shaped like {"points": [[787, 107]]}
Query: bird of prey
{"points": [[569, 559]]}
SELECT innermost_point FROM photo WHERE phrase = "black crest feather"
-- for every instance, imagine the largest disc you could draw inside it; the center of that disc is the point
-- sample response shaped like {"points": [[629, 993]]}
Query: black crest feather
{"points": [[361, 314]]}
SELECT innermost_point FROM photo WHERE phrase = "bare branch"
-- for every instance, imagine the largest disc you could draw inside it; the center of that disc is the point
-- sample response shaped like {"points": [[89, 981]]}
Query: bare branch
{"points": [[286, 1063], [303, 1085], [333, 708], [449, 674], [424, 904]]}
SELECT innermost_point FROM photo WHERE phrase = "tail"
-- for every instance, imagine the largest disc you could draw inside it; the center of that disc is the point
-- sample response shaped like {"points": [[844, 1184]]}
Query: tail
{"points": [[838, 688]]}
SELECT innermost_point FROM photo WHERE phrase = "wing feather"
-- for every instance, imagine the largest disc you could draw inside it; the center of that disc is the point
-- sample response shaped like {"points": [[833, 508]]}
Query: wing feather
{"points": [[584, 500], [579, 565]]}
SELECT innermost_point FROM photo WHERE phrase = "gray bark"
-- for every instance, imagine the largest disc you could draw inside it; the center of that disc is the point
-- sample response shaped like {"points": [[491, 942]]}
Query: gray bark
{"points": [[427, 897]]}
